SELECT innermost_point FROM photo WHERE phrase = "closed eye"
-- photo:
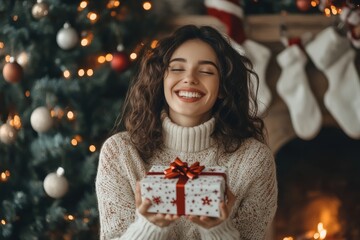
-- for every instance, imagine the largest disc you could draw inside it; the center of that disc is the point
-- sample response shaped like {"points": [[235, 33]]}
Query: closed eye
{"points": [[206, 72]]}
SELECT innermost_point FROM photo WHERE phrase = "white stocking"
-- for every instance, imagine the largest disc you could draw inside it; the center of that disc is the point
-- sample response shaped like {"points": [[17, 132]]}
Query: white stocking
{"points": [[259, 56], [333, 55], [294, 89]]}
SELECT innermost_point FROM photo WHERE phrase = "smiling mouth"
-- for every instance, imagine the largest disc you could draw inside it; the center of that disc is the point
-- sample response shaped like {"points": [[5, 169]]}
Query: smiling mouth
{"points": [[189, 94]]}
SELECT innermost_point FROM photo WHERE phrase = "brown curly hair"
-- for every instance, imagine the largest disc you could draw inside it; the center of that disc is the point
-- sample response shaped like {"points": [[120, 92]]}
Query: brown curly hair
{"points": [[235, 113]]}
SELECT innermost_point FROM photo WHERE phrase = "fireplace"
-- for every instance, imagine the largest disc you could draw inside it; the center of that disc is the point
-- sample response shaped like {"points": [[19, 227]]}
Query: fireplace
{"points": [[319, 188]]}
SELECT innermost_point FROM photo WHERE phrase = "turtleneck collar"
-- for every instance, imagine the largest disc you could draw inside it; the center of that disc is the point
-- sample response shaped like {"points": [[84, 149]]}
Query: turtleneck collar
{"points": [[187, 139]]}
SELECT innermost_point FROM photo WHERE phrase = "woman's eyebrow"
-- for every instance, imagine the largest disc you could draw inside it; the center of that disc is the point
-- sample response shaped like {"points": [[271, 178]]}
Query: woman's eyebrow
{"points": [[178, 60]]}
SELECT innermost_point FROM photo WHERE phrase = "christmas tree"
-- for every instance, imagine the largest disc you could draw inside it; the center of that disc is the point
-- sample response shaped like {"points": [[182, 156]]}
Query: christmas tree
{"points": [[66, 66]]}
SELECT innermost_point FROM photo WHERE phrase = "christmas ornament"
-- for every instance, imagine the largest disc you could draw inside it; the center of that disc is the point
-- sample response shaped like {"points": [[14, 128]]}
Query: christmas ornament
{"points": [[334, 56], [67, 37], [7, 134], [230, 13], [303, 5], [12, 71], [55, 184], [22, 59], [40, 9], [41, 120], [120, 61], [294, 89]]}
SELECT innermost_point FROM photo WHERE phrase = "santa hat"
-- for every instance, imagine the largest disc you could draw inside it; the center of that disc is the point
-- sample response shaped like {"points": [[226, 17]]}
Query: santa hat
{"points": [[231, 14]]}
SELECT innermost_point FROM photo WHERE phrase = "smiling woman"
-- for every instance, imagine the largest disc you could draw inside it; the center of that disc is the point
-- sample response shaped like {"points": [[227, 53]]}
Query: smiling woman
{"points": [[190, 99]]}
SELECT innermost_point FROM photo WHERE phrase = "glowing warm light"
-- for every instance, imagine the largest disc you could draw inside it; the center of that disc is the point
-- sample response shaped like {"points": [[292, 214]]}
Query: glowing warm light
{"points": [[108, 57], [84, 42], [86, 220], [321, 232], [113, 4], [83, 4], [74, 142], [66, 74], [89, 72], [154, 44], [3, 222], [113, 13], [70, 217], [15, 18], [16, 122], [70, 115], [81, 72], [101, 59], [1, 45], [7, 58], [327, 12], [3, 177], [92, 148], [334, 10], [147, 6], [313, 3], [133, 56], [92, 16], [27, 93], [288, 238]]}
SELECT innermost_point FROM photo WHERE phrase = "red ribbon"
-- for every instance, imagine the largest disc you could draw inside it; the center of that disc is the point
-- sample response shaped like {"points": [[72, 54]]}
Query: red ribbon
{"points": [[179, 168]]}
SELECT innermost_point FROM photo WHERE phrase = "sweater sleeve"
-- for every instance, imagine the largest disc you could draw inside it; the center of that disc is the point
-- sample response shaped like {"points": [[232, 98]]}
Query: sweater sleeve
{"points": [[115, 192], [257, 203]]}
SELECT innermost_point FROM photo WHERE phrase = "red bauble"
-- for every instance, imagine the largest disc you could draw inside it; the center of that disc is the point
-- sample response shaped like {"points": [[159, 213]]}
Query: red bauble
{"points": [[303, 5], [120, 61], [12, 72]]}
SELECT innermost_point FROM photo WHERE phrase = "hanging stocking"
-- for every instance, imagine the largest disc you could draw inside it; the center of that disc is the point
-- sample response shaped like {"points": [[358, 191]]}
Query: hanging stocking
{"points": [[231, 14], [333, 55], [294, 89], [351, 18]]}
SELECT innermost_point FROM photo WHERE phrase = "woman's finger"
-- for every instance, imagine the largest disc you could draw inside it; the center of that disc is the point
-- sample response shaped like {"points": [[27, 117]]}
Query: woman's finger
{"points": [[144, 206]]}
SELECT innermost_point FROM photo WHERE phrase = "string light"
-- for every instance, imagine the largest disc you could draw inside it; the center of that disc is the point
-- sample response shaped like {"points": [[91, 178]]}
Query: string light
{"points": [[82, 5], [7, 58], [27, 93], [15, 18], [3, 222], [81, 72], [69, 217], [113, 4], [66, 74], [93, 17], [15, 122], [92, 148], [4, 176], [154, 44], [89, 72], [147, 6], [1, 45], [101, 59], [108, 57], [133, 56], [70, 115]]}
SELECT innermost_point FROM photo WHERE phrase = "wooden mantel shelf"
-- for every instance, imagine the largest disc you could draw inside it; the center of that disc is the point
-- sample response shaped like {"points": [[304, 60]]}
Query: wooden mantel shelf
{"points": [[265, 29]]}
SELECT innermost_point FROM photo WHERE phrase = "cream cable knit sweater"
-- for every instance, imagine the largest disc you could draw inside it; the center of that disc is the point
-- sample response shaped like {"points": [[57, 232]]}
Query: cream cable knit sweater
{"points": [[251, 177]]}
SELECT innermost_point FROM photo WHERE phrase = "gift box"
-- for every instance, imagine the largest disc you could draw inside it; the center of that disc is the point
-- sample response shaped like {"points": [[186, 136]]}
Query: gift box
{"points": [[183, 190]]}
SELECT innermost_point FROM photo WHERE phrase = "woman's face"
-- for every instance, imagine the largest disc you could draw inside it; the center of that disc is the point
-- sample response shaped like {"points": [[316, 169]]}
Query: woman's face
{"points": [[191, 83]]}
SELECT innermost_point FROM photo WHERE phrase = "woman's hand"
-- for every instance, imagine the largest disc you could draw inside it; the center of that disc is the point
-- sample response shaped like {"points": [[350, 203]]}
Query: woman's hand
{"points": [[225, 210], [159, 219]]}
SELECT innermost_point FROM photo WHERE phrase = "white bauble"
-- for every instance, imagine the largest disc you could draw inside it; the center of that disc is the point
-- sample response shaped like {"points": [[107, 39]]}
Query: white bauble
{"points": [[67, 37], [41, 120], [55, 185], [7, 133]]}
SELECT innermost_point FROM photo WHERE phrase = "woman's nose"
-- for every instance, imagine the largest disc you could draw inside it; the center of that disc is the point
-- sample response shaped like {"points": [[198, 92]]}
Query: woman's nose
{"points": [[191, 78]]}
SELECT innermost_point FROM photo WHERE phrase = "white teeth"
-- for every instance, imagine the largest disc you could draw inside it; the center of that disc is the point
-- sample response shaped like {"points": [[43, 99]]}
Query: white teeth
{"points": [[189, 94]]}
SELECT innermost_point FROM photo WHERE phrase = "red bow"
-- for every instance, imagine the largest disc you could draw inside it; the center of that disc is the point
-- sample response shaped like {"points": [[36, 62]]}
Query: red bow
{"points": [[179, 168]]}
